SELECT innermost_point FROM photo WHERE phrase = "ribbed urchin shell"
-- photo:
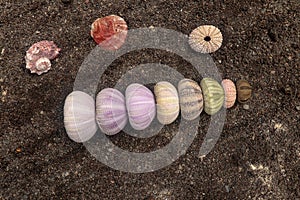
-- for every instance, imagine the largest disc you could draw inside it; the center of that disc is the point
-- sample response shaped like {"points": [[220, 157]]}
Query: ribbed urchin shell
{"points": [[109, 32], [230, 93], [206, 39], [213, 94], [167, 102], [111, 114], [140, 105], [244, 90], [190, 98], [79, 116]]}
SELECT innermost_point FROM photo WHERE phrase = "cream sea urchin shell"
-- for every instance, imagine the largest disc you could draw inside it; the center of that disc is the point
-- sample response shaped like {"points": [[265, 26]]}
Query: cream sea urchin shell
{"points": [[39, 55], [109, 32], [167, 102], [206, 39]]}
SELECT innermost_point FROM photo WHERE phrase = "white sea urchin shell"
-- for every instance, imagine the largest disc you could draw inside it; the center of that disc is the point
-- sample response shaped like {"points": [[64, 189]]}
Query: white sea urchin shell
{"points": [[206, 39]]}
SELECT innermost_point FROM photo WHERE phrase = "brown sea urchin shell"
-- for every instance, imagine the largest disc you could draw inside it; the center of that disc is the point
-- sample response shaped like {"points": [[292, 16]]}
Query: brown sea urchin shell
{"points": [[109, 32], [244, 91], [230, 93], [206, 39], [39, 55]]}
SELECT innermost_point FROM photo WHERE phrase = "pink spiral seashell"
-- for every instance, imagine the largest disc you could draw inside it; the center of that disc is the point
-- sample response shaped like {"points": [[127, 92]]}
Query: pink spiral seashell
{"points": [[111, 114], [109, 32], [39, 55], [230, 93], [140, 105]]}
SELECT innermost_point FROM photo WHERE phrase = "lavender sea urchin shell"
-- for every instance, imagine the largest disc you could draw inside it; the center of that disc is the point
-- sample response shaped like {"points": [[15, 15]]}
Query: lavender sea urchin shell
{"points": [[111, 114], [140, 106], [39, 55]]}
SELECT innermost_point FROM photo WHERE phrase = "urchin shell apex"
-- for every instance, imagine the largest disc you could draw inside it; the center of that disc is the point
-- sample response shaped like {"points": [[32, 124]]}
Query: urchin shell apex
{"points": [[206, 39], [38, 56]]}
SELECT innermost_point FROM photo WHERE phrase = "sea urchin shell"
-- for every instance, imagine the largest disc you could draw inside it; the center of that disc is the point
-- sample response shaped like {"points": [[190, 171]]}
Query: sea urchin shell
{"points": [[111, 114], [230, 93], [213, 95], [109, 32], [206, 39], [244, 90], [141, 106], [39, 55]]}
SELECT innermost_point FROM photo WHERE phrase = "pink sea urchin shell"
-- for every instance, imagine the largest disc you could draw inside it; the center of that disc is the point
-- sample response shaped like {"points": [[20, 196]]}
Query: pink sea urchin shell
{"points": [[39, 55], [230, 93], [109, 32]]}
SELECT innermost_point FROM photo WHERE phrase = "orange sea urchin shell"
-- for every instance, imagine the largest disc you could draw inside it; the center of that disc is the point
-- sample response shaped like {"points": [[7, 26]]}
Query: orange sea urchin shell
{"points": [[230, 93], [206, 39], [109, 32]]}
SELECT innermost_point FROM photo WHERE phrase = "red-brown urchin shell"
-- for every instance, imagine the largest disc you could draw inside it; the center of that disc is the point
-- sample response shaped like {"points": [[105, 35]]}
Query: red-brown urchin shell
{"points": [[206, 39], [39, 55], [109, 32], [230, 93]]}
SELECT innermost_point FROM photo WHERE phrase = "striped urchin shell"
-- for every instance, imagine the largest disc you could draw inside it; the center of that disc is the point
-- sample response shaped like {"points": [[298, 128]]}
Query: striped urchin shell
{"points": [[244, 90], [167, 102], [190, 98], [140, 105], [230, 93], [111, 114], [213, 94], [109, 32], [206, 39], [79, 116]]}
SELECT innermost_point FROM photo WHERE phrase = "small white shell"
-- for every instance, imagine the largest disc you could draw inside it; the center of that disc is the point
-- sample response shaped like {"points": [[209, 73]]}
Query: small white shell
{"points": [[206, 39], [79, 116]]}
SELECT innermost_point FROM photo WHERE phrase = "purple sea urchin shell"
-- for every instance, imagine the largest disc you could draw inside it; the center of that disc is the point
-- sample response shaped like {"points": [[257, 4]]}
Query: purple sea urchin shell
{"points": [[39, 55], [141, 107], [111, 114]]}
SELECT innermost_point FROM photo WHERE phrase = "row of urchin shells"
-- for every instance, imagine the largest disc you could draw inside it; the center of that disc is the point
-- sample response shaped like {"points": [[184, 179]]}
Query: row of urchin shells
{"points": [[139, 106]]}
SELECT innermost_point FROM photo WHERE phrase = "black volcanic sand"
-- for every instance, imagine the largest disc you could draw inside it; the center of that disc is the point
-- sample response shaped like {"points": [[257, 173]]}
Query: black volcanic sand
{"points": [[257, 155]]}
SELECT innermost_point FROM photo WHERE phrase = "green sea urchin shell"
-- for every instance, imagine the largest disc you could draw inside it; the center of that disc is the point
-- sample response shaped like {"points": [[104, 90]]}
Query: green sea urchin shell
{"points": [[213, 94]]}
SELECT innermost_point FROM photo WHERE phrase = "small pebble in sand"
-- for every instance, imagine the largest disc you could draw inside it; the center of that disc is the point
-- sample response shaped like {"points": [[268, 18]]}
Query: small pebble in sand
{"points": [[298, 108], [246, 107]]}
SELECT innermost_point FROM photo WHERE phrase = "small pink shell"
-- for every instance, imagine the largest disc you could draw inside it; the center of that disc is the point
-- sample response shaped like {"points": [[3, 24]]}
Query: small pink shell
{"points": [[230, 93], [38, 56], [109, 32]]}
